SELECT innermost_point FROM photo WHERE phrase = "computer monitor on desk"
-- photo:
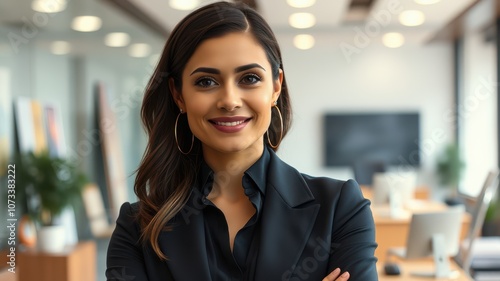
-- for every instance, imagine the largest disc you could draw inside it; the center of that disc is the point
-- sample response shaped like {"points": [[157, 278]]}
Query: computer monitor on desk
{"points": [[396, 189], [436, 234]]}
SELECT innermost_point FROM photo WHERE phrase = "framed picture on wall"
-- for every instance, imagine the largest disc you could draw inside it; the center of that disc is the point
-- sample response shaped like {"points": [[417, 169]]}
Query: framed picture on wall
{"points": [[56, 143], [114, 169]]}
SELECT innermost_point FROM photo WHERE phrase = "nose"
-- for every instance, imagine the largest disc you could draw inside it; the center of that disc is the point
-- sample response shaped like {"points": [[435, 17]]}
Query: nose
{"points": [[229, 99]]}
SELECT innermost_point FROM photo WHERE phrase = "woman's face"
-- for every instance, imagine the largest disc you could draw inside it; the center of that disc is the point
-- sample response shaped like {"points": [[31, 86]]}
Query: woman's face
{"points": [[228, 92]]}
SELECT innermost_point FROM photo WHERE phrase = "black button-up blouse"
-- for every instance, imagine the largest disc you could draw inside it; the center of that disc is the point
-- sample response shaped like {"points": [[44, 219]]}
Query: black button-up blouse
{"points": [[239, 264]]}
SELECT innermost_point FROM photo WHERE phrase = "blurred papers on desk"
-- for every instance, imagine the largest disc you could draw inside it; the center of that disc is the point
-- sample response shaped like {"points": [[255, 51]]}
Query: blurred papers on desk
{"points": [[485, 264]]}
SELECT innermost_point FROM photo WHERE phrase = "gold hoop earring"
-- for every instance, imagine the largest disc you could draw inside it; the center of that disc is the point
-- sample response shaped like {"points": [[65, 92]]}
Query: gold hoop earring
{"points": [[175, 134], [281, 130]]}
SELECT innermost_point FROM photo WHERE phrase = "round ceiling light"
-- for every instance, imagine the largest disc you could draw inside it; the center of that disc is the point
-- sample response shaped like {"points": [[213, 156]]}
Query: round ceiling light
{"points": [[184, 5], [301, 3], [411, 18], [48, 6], [303, 41], [117, 39], [427, 2], [393, 40], [302, 20], [86, 23], [139, 50]]}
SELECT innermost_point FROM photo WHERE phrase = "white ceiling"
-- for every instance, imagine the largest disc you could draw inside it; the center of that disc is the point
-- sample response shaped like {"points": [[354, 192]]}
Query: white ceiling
{"points": [[330, 16]]}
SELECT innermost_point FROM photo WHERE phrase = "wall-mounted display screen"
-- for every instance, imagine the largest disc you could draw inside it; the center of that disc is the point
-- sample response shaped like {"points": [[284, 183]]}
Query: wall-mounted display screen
{"points": [[391, 138]]}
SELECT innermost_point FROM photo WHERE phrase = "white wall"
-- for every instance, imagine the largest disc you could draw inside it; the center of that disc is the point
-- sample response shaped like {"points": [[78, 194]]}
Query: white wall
{"points": [[478, 111], [321, 80]]}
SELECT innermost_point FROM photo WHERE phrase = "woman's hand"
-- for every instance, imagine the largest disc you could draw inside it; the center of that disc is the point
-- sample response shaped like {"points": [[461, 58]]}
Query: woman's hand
{"points": [[334, 276]]}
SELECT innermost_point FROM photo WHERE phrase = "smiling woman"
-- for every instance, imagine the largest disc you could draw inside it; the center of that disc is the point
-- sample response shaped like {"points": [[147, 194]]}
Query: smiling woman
{"points": [[213, 195]]}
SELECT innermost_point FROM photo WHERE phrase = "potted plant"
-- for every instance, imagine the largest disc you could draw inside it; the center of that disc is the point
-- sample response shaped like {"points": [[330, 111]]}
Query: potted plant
{"points": [[491, 226], [55, 183], [450, 168]]}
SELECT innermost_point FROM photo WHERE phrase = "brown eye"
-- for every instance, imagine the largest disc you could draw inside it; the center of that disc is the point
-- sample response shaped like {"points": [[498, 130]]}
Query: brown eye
{"points": [[250, 79], [205, 82]]}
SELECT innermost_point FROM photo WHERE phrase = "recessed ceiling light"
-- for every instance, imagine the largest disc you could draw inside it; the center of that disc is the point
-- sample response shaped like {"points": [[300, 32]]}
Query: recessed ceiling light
{"points": [[427, 2], [139, 50], [117, 39], [86, 23], [302, 20], [303, 41], [301, 3], [393, 40], [184, 5], [48, 6], [60, 47], [411, 18]]}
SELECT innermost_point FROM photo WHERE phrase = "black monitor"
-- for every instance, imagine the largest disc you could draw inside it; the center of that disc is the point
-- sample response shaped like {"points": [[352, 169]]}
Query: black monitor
{"points": [[391, 138]]}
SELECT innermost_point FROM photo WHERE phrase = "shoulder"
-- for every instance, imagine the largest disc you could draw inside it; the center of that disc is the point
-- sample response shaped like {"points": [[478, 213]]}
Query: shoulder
{"points": [[129, 211], [325, 186], [127, 219]]}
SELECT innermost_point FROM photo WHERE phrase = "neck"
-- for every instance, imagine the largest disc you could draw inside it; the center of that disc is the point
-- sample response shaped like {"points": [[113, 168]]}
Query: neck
{"points": [[229, 168]]}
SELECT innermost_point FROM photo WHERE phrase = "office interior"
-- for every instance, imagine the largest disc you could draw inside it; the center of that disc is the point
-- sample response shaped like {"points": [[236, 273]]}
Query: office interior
{"points": [[353, 57]]}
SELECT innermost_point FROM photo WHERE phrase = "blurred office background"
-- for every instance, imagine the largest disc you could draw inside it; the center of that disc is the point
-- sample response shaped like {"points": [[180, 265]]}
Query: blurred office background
{"points": [[437, 61]]}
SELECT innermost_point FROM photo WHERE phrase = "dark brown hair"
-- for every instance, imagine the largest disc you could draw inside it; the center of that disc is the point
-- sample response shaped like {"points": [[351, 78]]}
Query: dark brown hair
{"points": [[165, 176]]}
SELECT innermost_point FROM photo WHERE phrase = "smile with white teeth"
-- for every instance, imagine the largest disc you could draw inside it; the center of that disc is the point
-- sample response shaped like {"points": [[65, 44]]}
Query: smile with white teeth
{"points": [[229, 124]]}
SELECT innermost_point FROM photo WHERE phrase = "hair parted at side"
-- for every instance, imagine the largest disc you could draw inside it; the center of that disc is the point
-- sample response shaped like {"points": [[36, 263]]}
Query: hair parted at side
{"points": [[165, 176]]}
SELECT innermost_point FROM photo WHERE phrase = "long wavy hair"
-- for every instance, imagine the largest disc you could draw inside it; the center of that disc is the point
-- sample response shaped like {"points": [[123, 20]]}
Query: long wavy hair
{"points": [[166, 176]]}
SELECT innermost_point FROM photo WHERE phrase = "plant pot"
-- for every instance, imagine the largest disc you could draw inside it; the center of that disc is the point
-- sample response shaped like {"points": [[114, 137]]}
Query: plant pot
{"points": [[51, 239]]}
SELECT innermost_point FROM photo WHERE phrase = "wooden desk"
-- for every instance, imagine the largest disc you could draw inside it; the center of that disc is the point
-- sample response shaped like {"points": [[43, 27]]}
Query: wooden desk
{"points": [[408, 266], [77, 263], [393, 232]]}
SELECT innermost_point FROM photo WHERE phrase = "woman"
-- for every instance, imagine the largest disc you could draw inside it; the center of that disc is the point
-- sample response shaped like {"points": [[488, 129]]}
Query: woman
{"points": [[215, 202]]}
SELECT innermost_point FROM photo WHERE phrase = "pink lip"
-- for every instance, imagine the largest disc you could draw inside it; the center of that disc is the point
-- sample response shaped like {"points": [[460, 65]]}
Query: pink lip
{"points": [[230, 129]]}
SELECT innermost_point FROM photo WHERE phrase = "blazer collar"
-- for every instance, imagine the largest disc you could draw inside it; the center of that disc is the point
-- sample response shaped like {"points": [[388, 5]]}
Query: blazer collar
{"points": [[288, 182], [185, 246], [288, 218]]}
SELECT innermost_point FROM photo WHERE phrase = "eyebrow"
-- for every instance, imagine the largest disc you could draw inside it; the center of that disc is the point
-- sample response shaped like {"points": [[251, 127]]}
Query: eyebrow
{"points": [[236, 70]]}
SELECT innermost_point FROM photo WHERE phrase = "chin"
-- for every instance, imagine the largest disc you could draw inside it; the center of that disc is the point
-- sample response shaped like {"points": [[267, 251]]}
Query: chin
{"points": [[235, 147]]}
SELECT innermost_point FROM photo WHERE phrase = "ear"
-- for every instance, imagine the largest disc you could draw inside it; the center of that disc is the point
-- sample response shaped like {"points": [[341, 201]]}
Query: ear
{"points": [[277, 85], [176, 95]]}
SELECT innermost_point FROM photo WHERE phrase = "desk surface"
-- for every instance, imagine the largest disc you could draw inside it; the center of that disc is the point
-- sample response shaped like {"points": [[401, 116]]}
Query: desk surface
{"points": [[409, 266]]}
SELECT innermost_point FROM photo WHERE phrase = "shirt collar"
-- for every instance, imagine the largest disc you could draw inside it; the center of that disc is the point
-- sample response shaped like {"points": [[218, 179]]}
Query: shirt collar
{"points": [[257, 173]]}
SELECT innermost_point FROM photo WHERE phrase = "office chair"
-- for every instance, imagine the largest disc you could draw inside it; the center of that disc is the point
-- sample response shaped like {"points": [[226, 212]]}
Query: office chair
{"points": [[465, 255]]}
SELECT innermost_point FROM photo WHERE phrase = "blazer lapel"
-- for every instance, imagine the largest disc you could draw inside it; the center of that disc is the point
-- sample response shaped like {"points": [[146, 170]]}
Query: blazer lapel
{"points": [[185, 246], [287, 221]]}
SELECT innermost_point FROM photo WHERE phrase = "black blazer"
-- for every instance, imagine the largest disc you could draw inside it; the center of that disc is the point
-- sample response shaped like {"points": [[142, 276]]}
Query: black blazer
{"points": [[310, 226]]}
